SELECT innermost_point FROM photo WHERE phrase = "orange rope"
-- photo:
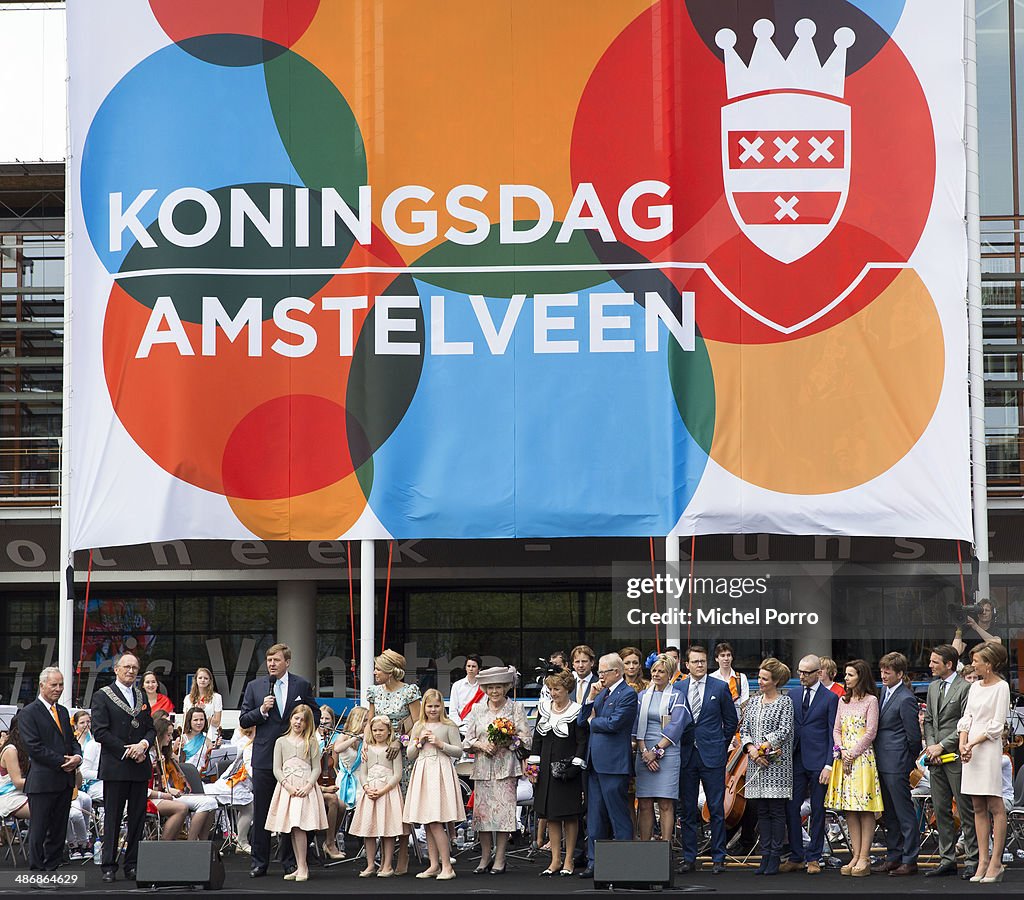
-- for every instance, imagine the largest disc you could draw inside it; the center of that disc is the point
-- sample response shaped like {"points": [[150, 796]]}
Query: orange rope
{"points": [[693, 553], [654, 597]]}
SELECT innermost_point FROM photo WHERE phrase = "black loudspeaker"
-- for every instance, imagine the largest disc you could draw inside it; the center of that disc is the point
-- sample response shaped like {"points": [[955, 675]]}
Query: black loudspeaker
{"points": [[180, 864], [643, 865]]}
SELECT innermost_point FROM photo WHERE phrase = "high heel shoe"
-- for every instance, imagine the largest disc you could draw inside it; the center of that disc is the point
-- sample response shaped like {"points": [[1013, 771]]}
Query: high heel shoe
{"points": [[848, 868], [980, 873], [861, 870], [367, 873], [333, 852], [994, 879], [483, 867], [495, 871]]}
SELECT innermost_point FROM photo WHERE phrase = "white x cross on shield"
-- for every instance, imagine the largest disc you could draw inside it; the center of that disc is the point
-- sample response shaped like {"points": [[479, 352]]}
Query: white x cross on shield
{"points": [[788, 197]]}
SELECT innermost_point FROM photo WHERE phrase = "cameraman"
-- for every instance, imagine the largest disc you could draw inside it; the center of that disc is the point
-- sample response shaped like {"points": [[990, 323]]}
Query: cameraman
{"points": [[978, 630]]}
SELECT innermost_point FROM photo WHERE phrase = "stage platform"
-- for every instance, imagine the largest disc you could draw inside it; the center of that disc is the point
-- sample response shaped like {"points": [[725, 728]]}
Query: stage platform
{"points": [[522, 879]]}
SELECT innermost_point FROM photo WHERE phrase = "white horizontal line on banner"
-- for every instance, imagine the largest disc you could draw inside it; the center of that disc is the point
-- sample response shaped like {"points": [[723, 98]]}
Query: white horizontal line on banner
{"points": [[485, 270]]}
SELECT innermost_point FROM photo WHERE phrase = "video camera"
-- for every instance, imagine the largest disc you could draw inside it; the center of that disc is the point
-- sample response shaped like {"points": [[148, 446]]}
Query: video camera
{"points": [[960, 614]]}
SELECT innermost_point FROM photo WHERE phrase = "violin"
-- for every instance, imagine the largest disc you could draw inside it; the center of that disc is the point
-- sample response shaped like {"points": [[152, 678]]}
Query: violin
{"points": [[328, 763]]}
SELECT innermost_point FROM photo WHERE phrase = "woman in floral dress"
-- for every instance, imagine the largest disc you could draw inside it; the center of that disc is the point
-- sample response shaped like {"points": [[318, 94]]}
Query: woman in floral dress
{"points": [[854, 786], [496, 768], [390, 696]]}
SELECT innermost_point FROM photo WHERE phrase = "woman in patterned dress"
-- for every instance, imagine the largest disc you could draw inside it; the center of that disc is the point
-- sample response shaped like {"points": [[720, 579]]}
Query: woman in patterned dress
{"points": [[400, 702], [854, 787], [767, 738], [495, 769]]}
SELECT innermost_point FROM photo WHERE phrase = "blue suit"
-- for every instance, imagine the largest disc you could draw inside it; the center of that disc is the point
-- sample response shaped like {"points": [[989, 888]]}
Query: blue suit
{"points": [[702, 759], [609, 763], [812, 751], [897, 746]]}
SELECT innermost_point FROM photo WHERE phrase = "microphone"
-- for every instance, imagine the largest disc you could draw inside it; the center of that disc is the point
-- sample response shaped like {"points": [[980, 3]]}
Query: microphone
{"points": [[273, 681]]}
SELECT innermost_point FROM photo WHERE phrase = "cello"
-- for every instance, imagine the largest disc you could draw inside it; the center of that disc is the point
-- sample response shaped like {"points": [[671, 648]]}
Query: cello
{"points": [[735, 775], [735, 782]]}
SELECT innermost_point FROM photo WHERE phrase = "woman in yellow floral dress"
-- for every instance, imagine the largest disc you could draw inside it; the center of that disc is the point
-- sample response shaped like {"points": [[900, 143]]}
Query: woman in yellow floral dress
{"points": [[854, 787]]}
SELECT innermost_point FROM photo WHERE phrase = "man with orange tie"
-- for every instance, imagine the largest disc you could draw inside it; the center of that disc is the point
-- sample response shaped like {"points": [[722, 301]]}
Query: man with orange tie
{"points": [[54, 755]]}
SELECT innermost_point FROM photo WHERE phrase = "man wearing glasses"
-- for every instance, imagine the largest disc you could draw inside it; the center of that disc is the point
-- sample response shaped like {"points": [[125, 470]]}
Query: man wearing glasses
{"points": [[814, 716], [608, 712], [123, 726]]}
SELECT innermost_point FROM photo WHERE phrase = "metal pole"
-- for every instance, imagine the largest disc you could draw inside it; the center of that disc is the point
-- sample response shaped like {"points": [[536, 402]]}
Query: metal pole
{"points": [[975, 329], [367, 610], [66, 603], [673, 630]]}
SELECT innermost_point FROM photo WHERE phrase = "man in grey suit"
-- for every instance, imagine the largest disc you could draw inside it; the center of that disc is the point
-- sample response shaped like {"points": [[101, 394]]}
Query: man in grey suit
{"points": [[897, 747], [947, 697]]}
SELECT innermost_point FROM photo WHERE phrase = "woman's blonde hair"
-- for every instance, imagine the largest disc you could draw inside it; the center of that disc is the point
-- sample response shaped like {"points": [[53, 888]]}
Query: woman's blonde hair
{"points": [[991, 652], [663, 659], [778, 670], [195, 698], [392, 663], [387, 722], [431, 694], [309, 736]]}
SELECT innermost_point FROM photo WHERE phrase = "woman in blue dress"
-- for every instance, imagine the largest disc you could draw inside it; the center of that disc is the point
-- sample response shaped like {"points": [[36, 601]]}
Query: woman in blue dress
{"points": [[657, 758]]}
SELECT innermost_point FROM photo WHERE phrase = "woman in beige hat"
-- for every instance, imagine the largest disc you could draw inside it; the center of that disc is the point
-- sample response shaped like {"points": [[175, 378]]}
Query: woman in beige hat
{"points": [[496, 768]]}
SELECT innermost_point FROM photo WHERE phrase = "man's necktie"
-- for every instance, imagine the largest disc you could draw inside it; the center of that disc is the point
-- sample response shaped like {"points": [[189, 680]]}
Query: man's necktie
{"points": [[56, 718], [807, 699], [279, 694], [695, 700], [942, 691], [885, 697]]}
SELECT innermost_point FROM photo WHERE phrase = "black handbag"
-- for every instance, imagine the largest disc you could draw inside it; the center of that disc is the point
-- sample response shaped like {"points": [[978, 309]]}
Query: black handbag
{"points": [[564, 770], [522, 752]]}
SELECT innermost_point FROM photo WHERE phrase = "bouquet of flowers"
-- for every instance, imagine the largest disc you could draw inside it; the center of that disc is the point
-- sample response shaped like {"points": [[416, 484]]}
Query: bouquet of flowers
{"points": [[531, 771], [770, 753], [502, 732]]}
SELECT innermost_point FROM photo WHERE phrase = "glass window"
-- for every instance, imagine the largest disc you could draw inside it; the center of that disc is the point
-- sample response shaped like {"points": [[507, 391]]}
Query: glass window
{"points": [[994, 108]]}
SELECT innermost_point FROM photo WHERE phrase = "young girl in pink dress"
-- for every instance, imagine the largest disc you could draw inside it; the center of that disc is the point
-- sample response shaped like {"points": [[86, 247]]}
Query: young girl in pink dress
{"points": [[434, 798], [297, 805], [379, 807]]}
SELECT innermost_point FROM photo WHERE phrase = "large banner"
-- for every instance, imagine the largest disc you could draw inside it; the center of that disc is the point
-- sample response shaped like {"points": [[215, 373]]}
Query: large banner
{"points": [[350, 268]]}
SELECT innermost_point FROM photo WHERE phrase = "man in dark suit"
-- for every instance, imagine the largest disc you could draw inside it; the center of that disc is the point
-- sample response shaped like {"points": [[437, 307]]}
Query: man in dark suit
{"points": [[267, 706], [608, 712], [814, 717], [702, 760], [54, 755], [123, 725], [897, 746], [944, 707]]}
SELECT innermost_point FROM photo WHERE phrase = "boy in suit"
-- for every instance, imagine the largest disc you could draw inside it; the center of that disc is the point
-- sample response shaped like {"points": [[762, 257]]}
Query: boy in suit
{"points": [[267, 707], [55, 755], [608, 712], [897, 746]]}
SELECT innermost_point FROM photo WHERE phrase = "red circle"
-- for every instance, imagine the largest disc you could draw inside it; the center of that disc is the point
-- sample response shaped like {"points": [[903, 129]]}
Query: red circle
{"points": [[662, 121], [282, 22]]}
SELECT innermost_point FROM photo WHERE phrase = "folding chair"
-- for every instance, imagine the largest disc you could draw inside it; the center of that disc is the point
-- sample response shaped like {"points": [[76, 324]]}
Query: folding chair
{"points": [[1015, 817], [14, 834]]}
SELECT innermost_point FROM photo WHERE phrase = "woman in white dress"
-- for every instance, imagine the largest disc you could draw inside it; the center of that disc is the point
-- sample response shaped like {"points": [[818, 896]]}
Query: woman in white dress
{"points": [[204, 697], [981, 751]]}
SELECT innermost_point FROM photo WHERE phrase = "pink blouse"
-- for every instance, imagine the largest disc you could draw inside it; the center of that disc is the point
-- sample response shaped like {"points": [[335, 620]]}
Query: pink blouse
{"points": [[867, 708]]}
